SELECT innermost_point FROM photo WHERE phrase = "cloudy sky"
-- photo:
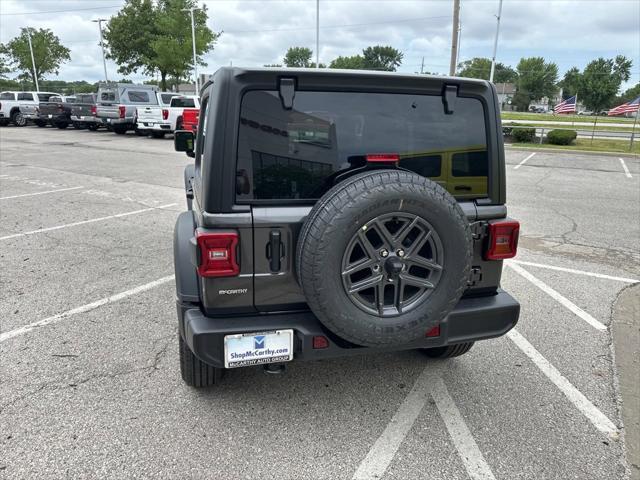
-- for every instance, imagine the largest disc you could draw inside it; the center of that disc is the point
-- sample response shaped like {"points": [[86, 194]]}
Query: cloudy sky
{"points": [[257, 32]]}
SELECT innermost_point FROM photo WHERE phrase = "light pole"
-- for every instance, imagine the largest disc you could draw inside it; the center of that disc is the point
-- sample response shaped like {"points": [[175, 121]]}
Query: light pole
{"points": [[495, 43], [104, 61], [454, 37], [33, 60], [317, 33], [193, 37]]}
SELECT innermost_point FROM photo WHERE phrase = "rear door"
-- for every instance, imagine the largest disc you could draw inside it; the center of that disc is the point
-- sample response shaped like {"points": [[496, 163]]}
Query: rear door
{"points": [[288, 158]]}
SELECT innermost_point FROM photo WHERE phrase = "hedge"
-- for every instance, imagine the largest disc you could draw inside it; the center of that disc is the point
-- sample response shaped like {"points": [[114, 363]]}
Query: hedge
{"points": [[524, 135], [561, 137]]}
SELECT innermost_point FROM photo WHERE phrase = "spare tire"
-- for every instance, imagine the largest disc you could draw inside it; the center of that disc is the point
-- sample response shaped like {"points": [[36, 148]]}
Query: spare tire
{"points": [[383, 257]]}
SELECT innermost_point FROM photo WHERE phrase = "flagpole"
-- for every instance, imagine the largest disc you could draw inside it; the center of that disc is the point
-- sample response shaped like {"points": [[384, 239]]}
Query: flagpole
{"points": [[633, 130]]}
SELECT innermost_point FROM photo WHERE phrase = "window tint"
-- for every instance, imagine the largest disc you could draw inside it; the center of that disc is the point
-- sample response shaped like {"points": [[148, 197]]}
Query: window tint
{"points": [[137, 96], [7, 96], [108, 96], [469, 164], [294, 154], [183, 102], [25, 96], [425, 165], [166, 98]]}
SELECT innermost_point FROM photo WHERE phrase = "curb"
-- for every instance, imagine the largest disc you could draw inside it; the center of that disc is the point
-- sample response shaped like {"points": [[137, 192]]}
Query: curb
{"points": [[585, 152]]}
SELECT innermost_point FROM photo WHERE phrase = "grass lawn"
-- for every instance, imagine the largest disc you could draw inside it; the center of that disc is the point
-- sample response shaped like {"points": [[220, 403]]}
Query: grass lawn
{"points": [[585, 144], [599, 127], [563, 118]]}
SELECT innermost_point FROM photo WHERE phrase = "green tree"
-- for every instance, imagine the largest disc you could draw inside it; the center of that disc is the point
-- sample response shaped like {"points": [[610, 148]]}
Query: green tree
{"points": [[628, 95], [48, 53], [481, 68], [156, 38], [536, 79], [382, 58], [355, 62], [4, 61], [298, 57], [601, 80], [570, 83]]}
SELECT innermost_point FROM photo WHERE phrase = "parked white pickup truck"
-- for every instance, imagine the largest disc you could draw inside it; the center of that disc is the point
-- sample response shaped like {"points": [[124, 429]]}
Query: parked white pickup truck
{"points": [[154, 119], [14, 104]]}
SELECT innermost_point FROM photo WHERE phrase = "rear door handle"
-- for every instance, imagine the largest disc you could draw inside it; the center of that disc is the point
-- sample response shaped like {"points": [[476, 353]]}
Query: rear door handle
{"points": [[274, 250], [465, 188]]}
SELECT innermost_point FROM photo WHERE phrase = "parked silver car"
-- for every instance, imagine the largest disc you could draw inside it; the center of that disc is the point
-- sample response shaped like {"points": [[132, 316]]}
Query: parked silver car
{"points": [[118, 103]]}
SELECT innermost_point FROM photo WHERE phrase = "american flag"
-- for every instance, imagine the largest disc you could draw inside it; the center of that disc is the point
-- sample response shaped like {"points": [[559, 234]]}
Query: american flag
{"points": [[628, 107], [566, 106]]}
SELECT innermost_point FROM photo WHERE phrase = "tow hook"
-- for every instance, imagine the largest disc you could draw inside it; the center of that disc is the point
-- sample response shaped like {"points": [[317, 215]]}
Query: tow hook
{"points": [[274, 368]]}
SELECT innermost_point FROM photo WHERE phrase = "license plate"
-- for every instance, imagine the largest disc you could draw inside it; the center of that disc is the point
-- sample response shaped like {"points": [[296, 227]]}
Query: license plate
{"points": [[245, 349], [82, 117], [50, 116]]}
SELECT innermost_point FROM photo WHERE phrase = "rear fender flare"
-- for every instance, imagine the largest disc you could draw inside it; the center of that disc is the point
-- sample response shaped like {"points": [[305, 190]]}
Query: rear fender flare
{"points": [[187, 288]]}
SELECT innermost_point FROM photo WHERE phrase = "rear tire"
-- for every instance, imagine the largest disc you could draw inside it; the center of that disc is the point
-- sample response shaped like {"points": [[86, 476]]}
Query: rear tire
{"points": [[41, 123], [62, 125], [194, 371], [141, 133], [119, 129], [18, 119], [449, 351], [78, 125], [93, 127]]}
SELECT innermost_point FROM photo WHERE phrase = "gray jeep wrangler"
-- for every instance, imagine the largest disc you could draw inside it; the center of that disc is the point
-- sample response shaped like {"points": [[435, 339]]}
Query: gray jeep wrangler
{"points": [[335, 213]]}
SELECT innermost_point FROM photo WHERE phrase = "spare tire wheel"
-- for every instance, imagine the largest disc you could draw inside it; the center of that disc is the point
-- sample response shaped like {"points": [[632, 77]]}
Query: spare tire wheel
{"points": [[383, 257]]}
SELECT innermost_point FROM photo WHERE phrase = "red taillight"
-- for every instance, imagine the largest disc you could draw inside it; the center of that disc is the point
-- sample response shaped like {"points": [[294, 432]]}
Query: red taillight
{"points": [[217, 254], [320, 342], [434, 332], [383, 158], [122, 109], [503, 240], [94, 110], [165, 114]]}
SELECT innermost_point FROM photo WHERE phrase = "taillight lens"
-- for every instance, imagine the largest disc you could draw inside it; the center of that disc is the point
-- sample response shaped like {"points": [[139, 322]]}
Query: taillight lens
{"points": [[94, 110], [503, 239], [383, 158], [217, 254], [122, 110], [165, 114]]}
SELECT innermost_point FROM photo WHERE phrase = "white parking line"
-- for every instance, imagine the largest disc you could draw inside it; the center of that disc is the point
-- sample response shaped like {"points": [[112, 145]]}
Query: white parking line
{"points": [[624, 167], [40, 193], [573, 270], [558, 297], [84, 308], [582, 403], [470, 454], [84, 222], [524, 161], [384, 449]]}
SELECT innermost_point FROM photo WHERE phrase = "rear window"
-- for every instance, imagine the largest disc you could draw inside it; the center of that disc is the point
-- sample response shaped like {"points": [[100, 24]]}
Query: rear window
{"points": [[108, 96], [166, 98], [138, 96], [7, 96], [294, 154], [85, 99], [183, 102]]}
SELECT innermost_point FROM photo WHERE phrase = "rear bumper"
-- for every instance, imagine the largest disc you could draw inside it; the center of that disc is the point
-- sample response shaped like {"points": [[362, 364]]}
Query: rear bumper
{"points": [[116, 121], [85, 119], [154, 126], [473, 319]]}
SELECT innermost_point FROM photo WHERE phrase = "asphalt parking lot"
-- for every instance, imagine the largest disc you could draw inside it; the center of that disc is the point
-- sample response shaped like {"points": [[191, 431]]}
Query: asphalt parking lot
{"points": [[90, 384]]}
